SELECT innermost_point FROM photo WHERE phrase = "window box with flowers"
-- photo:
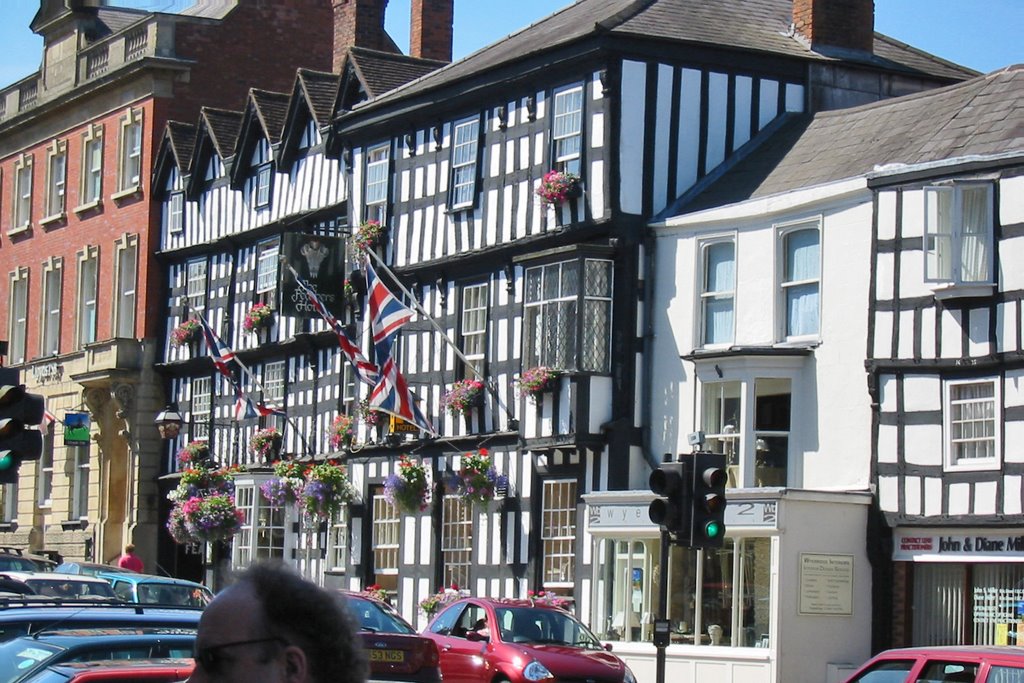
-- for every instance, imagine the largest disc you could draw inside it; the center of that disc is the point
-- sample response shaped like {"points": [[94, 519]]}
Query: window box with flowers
{"points": [[266, 443], [556, 187], [287, 484], [477, 481], [536, 381], [408, 489], [371, 417], [342, 432], [327, 489], [259, 317], [431, 604], [375, 592], [464, 395], [368, 235], [188, 332], [194, 453], [548, 598]]}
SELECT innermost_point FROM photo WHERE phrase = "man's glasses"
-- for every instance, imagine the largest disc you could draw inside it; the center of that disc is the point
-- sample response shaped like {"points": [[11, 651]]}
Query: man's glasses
{"points": [[211, 660]]}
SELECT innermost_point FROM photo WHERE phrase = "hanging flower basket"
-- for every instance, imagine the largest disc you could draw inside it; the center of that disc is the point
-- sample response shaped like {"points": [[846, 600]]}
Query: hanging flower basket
{"points": [[186, 333], [430, 605], [408, 489], [477, 481], [557, 186], [287, 484], [266, 443], [199, 481], [327, 489], [535, 381], [258, 318], [370, 416], [176, 526], [464, 395], [212, 518], [368, 235], [194, 453], [341, 432]]}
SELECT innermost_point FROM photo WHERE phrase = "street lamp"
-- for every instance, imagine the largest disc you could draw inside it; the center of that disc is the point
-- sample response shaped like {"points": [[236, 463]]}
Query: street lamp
{"points": [[168, 422]]}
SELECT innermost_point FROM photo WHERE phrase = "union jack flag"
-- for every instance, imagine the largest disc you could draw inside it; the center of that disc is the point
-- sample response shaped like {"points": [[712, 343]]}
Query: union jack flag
{"points": [[220, 353], [246, 408], [366, 371], [392, 396], [387, 314]]}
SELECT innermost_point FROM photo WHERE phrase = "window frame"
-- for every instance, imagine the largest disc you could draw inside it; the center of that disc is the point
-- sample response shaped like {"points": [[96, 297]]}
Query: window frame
{"points": [[706, 295], [196, 274], [275, 382], [472, 304], [456, 540], [88, 262], [462, 193], [267, 251], [17, 318], [51, 309], [386, 525], [378, 208], [256, 537], [338, 541], [9, 503], [784, 232], [130, 146], [957, 236], [567, 162], [56, 181], [91, 187], [558, 538], [200, 407], [125, 288], [79, 504], [176, 212], [21, 195], [44, 483], [263, 185], [951, 462]]}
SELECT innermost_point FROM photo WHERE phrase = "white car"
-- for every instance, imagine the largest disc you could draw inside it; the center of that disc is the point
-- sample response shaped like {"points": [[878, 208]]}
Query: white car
{"points": [[65, 586]]}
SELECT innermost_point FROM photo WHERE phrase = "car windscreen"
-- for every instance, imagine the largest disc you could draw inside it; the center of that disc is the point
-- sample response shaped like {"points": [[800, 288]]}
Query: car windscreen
{"points": [[14, 563], [543, 626], [63, 588], [373, 617], [172, 594], [17, 657]]}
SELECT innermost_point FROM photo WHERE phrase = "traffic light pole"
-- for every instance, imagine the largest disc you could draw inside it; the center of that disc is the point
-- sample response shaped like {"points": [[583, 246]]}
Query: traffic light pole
{"points": [[662, 606]]}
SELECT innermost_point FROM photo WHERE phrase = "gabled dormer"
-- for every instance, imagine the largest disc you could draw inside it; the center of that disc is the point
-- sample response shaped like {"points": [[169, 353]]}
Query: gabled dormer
{"points": [[216, 135], [308, 118], [171, 172], [258, 138], [367, 74]]}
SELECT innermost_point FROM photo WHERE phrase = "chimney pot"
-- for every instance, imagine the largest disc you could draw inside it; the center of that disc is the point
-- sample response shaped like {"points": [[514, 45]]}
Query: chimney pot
{"points": [[431, 29], [848, 24]]}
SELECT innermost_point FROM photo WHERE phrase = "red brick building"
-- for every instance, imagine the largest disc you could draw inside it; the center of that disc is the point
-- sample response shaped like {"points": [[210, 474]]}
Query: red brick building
{"points": [[77, 274]]}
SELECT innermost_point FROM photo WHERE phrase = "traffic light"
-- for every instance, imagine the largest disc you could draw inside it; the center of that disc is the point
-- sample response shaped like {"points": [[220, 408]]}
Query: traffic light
{"points": [[708, 502], [671, 510], [20, 413]]}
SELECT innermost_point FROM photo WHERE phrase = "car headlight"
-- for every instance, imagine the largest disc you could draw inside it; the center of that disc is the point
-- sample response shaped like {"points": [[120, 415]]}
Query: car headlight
{"points": [[535, 671], [629, 677]]}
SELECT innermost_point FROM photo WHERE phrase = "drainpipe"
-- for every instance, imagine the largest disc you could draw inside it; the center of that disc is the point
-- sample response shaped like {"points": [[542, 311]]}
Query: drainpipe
{"points": [[647, 357]]}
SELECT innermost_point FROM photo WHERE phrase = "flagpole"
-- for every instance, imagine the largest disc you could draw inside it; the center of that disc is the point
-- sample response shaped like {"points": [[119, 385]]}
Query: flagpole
{"points": [[259, 385], [444, 335]]}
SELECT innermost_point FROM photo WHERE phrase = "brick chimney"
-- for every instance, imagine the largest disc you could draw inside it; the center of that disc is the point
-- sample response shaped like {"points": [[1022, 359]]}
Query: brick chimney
{"points": [[848, 24], [358, 23], [431, 29]]}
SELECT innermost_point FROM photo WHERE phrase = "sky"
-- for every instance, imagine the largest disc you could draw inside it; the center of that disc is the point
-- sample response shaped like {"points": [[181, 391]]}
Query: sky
{"points": [[980, 34]]}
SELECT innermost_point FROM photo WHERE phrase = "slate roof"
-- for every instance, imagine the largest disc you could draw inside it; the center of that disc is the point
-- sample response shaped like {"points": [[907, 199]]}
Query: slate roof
{"points": [[980, 117], [380, 72], [753, 25], [181, 138], [271, 108], [320, 90], [223, 126]]}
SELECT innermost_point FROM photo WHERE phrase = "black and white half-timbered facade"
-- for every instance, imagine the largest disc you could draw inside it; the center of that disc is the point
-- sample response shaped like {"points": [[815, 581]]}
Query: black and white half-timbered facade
{"points": [[646, 104], [850, 332]]}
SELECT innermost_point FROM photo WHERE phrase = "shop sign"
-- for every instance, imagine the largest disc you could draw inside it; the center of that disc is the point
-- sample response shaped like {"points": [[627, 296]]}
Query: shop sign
{"points": [[826, 584], [47, 373], [752, 513], [620, 515], [742, 513], [979, 545]]}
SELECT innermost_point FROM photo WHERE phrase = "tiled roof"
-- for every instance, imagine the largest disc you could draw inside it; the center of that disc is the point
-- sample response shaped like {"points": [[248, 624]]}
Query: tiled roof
{"points": [[320, 90], [223, 126], [182, 139], [980, 117], [755, 25], [271, 108], [380, 72]]}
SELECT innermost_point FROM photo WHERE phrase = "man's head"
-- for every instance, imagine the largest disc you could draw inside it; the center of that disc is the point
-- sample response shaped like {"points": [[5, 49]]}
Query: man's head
{"points": [[130, 548], [273, 626]]}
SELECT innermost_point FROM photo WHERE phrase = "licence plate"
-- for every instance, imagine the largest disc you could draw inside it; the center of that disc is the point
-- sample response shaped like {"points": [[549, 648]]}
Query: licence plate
{"points": [[390, 656]]}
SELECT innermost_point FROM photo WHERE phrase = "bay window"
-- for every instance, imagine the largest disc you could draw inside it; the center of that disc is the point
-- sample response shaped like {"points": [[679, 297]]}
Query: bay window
{"points": [[958, 234]]}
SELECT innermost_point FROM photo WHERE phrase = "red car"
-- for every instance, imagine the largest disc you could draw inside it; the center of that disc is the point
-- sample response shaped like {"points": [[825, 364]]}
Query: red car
{"points": [[394, 649], [155, 670], [486, 639], [952, 664]]}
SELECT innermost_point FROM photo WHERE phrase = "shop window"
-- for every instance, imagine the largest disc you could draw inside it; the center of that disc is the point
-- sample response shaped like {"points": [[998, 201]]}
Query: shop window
{"points": [[456, 540], [337, 541], [958, 234], [386, 539], [127, 248], [200, 408], [88, 271], [263, 529], [800, 283], [558, 533], [195, 284], [56, 178], [967, 603], [718, 292], [972, 416], [464, 163], [376, 189], [17, 321], [474, 328], [53, 282], [567, 129], [567, 315]]}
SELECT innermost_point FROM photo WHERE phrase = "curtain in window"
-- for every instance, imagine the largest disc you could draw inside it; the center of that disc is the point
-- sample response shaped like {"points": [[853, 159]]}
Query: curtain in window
{"points": [[720, 277], [974, 254], [939, 233], [802, 270], [938, 603]]}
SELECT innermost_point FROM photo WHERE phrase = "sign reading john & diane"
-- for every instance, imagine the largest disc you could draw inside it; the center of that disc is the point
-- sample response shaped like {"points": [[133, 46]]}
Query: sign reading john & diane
{"points": [[952, 545], [320, 263]]}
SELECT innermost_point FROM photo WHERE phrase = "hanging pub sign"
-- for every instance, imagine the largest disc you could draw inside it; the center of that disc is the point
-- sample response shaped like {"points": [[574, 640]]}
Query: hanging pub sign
{"points": [[320, 262], [76, 429]]}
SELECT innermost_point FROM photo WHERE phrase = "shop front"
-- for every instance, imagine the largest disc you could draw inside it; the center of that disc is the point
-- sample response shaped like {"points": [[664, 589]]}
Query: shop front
{"points": [[958, 586], [786, 598]]}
